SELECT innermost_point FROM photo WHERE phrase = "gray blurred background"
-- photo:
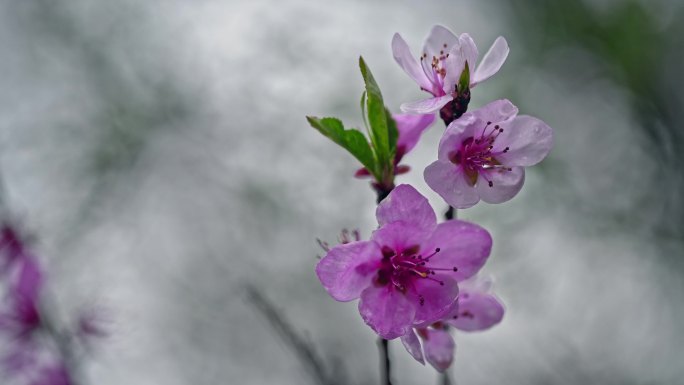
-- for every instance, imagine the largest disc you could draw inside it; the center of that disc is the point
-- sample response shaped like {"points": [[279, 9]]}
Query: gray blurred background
{"points": [[158, 152]]}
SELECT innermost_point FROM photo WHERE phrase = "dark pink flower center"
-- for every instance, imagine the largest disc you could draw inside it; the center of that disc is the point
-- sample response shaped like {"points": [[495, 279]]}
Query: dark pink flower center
{"points": [[402, 268], [476, 154]]}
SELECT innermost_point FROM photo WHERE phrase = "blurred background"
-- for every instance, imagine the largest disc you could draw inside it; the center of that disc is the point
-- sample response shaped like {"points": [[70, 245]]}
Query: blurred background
{"points": [[158, 154]]}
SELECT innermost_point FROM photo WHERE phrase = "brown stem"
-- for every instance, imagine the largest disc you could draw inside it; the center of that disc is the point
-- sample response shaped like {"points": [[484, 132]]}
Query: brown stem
{"points": [[385, 373]]}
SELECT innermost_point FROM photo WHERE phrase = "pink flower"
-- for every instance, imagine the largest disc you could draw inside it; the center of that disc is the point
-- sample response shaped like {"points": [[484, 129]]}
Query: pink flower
{"points": [[410, 127], [407, 274], [476, 309], [482, 155], [442, 62]]}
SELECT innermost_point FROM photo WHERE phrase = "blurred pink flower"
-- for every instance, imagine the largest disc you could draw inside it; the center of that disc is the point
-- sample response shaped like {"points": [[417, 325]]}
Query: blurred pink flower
{"points": [[55, 374], [21, 315], [407, 274], [442, 61], [482, 155], [25, 327]]}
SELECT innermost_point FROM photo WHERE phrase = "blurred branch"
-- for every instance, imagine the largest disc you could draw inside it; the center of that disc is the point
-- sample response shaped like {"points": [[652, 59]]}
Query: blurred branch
{"points": [[305, 352]]}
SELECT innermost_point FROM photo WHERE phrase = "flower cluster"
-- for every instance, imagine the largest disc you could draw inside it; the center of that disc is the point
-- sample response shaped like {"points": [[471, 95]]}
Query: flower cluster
{"points": [[33, 351], [416, 278]]}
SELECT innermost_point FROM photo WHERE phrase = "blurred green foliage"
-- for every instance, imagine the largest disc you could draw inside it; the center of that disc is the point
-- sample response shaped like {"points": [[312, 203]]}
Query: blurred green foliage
{"points": [[629, 38], [637, 45]]}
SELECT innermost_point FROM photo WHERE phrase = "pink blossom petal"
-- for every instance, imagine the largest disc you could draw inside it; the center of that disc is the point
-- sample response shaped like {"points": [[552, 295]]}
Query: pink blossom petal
{"points": [[426, 106], [387, 311], [491, 62], [412, 345], [403, 56], [496, 112], [528, 139], [469, 50], [405, 204], [349, 268], [505, 184], [477, 311], [454, 65], [479, 283], [439, 349], [400, 236], [449, 181], [437, 299], [455, 133], [464, 52], [462, 244], [411, 127], [440, 41]]}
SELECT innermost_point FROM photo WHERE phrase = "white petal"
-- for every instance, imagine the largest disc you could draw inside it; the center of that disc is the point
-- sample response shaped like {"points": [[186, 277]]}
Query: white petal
{"points": [[491, 62], [528, 139], [408, 62], [426, 106], [505, 184], [469, 50], [412, 345], [440, 41]]}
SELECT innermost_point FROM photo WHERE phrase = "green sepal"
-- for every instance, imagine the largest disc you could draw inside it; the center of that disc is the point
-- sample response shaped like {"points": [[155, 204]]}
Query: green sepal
{"points": [[464, 80]]}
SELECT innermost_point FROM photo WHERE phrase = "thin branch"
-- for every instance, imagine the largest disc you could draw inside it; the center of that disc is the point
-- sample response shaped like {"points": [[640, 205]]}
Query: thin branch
{"points": [[385, 369], [303, 349]]}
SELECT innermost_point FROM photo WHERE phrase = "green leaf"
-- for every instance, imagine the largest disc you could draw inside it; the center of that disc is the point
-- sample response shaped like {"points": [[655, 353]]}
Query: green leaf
{"points": [[363, 110], [352, 140], [377, 119]]}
